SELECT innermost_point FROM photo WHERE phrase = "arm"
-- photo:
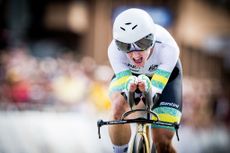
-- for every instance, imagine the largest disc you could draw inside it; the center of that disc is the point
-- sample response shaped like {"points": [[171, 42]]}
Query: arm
{"points": [[168, 57], [117, 60]]}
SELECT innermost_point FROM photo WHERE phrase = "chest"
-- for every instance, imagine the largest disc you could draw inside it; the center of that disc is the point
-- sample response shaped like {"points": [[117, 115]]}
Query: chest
{"points": [[148, 69]]}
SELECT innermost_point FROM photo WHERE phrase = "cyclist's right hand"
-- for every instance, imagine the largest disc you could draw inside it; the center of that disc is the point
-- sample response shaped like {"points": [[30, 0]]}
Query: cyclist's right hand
{"points": [[131, 84]]}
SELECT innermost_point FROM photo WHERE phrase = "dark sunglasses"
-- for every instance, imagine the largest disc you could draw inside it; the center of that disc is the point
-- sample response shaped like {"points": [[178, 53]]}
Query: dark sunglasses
{"points": [[139, 45]]}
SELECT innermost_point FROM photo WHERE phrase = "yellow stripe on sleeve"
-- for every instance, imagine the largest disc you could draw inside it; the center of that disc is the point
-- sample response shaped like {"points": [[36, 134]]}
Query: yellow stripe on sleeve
{"points": [[119, 82], [160, 78]]}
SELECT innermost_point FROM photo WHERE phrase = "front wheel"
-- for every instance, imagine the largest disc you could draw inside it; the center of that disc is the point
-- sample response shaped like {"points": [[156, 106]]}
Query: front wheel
{"points": [[140, 145], [153, 150]]}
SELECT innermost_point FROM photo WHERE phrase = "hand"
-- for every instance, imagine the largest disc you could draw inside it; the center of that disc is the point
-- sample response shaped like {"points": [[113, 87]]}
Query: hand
{"points": [[144, 83], [141, 86], [131, 84]]}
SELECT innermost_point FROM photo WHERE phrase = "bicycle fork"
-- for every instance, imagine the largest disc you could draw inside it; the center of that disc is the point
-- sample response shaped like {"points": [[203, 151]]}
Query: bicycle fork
{"points": [[141, 137]]}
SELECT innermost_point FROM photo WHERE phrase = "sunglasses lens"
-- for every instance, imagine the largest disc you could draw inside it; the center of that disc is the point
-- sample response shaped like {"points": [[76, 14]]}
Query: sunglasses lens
{"points": [[123, 46], [141, 44], [145, 42]]}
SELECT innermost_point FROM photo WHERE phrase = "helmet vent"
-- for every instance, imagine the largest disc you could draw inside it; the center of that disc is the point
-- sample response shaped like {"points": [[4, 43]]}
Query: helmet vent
{"points": [[122, 28], [128, 23], [134, 27]]}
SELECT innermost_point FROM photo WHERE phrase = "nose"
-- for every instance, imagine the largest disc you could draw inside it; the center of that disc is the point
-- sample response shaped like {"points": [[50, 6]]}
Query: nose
{"points": [[136, 53]]}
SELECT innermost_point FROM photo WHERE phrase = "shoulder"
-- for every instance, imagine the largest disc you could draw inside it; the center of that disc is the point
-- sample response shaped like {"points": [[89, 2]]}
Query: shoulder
{"points": [[163, 36], [112, 46], [113, 51], [162, 33]]}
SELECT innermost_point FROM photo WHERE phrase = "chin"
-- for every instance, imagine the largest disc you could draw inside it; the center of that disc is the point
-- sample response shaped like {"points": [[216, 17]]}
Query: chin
{"points": [[139, 65]]}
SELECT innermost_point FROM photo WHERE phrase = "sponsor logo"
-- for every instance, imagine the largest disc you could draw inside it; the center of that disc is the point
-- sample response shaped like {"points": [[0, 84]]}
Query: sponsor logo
{"points": [[153, 68], [169, 104], [132, 66]]}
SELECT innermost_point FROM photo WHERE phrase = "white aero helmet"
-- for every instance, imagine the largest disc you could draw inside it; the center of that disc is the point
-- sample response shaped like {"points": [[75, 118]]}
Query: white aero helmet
{"points": [[132, 25]]}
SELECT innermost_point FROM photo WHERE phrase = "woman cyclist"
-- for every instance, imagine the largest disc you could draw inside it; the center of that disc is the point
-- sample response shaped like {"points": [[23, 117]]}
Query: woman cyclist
{"points": [[144, 57]]}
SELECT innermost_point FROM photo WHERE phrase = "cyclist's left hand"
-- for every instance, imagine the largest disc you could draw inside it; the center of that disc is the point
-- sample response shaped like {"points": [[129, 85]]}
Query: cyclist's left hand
{"points": [[144, 83]]}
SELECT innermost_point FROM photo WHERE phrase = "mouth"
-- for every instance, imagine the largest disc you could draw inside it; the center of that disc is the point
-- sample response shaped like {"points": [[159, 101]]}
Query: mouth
{"points": [[138, 60]]}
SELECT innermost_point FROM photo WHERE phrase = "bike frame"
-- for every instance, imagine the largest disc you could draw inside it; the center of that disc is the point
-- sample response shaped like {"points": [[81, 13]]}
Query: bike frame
{"points": [[142, 131]]}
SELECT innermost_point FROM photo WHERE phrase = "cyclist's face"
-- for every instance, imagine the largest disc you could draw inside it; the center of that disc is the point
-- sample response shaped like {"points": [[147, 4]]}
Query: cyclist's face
{"points": [[139, 57]]}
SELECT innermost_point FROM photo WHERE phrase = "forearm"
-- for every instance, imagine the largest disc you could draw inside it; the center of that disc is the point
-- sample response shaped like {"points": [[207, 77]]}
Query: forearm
{"points": [[159, 80], [118, 84]]}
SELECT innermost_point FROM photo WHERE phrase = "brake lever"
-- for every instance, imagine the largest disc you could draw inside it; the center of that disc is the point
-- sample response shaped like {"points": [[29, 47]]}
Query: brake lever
{"points": [[99, 124], [177, 134]]}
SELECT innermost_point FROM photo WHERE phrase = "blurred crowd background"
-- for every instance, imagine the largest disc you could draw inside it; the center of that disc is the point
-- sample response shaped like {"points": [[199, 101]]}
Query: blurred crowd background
{"points": [[53, 58]]}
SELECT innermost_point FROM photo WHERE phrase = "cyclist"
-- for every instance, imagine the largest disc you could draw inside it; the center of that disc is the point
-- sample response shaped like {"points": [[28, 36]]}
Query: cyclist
{"points": [[144, 57]]}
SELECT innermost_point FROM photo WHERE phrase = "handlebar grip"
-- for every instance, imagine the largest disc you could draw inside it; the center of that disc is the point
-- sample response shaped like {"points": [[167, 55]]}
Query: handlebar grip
{"points": [[176, 126], [156, 98], [130, 99]]}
